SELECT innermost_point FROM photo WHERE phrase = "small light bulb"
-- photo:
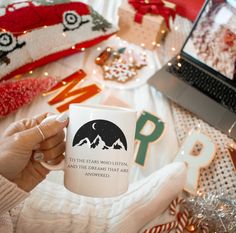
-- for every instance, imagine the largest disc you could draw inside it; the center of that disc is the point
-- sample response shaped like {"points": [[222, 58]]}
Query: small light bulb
{"points": [[173, 49], [108, 49], [45, 26], [98, 48], [163, 31], [98, 59], [73, 47], [153, 43], [82, 49], [31, 72], [64, 34], [179, 64], [176, 28], [169, 64], [25, 32], [46, 73], [158, 45], [142, 44]]}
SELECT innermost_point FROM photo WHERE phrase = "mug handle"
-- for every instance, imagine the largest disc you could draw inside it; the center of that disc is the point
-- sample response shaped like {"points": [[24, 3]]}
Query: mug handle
{"points": [[59, 166]]}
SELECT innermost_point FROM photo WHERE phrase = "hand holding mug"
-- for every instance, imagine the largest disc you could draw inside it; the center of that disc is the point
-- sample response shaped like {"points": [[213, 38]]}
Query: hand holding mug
{"points": [[18, 148], [99, 149]]}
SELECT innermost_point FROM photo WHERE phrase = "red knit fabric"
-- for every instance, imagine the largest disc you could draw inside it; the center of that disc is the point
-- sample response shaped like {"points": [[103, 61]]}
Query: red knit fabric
{"points": [[27, 18], [53, 57], [32, 17]]}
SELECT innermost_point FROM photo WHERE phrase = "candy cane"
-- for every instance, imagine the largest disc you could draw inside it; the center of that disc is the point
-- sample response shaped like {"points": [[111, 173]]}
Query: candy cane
{"points": [[174, 204], [192, 221], [162, 228], [182, 220], [204, 228]]}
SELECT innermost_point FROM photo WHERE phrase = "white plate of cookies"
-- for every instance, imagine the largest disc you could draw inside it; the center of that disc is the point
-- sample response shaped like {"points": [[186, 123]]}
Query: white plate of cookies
{"points": [[122, 65]]}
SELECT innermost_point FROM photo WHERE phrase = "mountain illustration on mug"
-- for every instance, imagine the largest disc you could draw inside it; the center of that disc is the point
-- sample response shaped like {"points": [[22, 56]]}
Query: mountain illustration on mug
{"points": [[100, 134]]}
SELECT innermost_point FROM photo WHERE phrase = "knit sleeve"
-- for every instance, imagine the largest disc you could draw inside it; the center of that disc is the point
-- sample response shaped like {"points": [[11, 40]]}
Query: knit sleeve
{"points": [[10, 195]]}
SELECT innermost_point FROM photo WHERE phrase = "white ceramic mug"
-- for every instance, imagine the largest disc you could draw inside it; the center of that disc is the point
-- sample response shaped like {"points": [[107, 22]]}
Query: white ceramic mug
{"points": [[99, 150]]}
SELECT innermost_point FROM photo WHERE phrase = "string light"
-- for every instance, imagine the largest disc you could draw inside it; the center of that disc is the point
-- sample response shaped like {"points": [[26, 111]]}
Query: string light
{"points": [[142, 45], [199, 193], [176, 28], [25, 32], [46, 73], [73, 47], [31, 72], [64, 34], [64, 82], [232, 126], [98, 48], [83, 49], [163, 31], [169, 64], [179, 64], [158, 45], [173, 49], [153, 43], [106, 68]]}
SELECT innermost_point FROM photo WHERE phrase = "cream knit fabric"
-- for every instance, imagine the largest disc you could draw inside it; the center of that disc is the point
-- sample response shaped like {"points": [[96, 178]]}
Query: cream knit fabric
{"points": [[52, 208], [10, 196]]}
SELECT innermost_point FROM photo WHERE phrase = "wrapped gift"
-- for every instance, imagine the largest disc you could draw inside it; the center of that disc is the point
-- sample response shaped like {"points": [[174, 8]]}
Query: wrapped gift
{"points": [[146, 23]]}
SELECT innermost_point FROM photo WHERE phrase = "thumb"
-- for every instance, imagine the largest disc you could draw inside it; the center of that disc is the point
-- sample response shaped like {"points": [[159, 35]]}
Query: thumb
{"points": [[49, 127]]}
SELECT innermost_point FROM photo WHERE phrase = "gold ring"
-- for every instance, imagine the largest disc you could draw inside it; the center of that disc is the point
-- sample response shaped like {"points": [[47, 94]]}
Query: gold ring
{"points": [[41, 132]]}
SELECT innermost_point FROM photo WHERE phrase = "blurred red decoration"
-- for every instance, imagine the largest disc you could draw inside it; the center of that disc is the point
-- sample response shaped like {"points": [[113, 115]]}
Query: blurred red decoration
{"points": [[15, 94], [188, 9]]}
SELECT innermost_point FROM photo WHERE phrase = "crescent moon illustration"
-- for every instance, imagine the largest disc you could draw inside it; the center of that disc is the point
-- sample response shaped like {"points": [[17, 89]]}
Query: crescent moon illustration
{"points": [[108, 132], [93, 126]]}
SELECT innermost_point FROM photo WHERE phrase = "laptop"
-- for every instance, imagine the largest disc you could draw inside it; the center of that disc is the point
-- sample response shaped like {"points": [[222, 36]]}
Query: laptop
{"points": [[202, 77]]}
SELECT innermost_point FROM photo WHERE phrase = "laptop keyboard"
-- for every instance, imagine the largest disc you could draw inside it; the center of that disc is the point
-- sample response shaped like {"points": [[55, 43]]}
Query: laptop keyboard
{"points": [[205, 83]]}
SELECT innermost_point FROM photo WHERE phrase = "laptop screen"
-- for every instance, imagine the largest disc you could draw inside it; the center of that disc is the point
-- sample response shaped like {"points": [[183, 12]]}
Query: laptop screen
{"points": [[213, 38]]}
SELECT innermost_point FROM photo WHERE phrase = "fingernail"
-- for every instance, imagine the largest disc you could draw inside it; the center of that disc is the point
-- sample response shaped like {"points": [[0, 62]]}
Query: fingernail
{"points": [[38, 156], [62, 117]]}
